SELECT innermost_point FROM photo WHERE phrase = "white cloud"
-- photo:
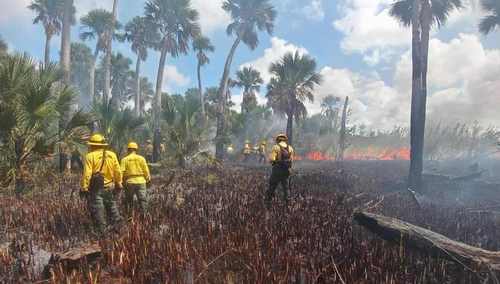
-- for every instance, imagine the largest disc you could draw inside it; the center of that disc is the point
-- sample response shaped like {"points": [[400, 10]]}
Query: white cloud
{"points": [[212, 16], [464, 79], [367, 25], [372, 101], [237, 99], [85, 6], [279, 47], [173, 78], [14, 10], [314, 10]]}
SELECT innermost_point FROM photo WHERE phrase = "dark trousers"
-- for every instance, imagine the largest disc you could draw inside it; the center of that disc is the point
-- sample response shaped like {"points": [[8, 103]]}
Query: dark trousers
{"points": [[279, 175], [139, 191], [102, 203]]}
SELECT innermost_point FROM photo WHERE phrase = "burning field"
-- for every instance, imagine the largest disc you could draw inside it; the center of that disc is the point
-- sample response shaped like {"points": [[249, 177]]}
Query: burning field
{"points": [[211, 226]]}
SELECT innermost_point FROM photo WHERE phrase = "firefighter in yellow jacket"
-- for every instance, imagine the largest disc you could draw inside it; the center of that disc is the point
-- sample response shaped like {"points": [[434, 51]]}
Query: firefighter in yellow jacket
{"points": [[102, 178], [247, 151], [135, 176], [281, 159]]}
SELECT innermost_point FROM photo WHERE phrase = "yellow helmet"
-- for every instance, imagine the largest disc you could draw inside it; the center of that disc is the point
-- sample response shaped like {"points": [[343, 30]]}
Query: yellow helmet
{"points": [[247, 141], [132, 146], [264, 142], [281, 137], [97, 140], [148, 141]]}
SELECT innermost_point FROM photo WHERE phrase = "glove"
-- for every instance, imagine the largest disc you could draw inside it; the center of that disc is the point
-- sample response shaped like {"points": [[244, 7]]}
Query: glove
{"points": [[84, 194]]}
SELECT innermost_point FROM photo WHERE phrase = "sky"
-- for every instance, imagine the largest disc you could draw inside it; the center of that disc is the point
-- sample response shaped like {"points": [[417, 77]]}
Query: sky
{"points": [[360, 50]]}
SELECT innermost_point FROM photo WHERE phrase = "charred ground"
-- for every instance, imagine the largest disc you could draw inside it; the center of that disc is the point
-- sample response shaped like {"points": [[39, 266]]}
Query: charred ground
{"points": [[209, 225]]}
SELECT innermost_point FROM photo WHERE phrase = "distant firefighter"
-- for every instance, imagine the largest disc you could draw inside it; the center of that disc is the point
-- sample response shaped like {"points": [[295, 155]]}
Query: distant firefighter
{"points": [[247, 151], [148, 151], [263, 152], [135, 176], [281, 159]]}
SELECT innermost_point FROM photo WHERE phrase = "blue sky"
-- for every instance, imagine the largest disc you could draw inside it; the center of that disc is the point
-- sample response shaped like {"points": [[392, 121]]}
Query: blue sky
{"points": [[360, 50]]}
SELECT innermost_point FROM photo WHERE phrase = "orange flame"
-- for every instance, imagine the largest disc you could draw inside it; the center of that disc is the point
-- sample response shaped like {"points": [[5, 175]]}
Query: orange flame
{"points": [[369, 153]]}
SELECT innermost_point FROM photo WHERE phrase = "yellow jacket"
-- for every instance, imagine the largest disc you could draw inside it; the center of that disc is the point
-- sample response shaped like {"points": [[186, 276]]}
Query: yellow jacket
{"points": [[135, 170], [149, 149], [247, 149], [262, 149], [276, 151], [110, 170]]}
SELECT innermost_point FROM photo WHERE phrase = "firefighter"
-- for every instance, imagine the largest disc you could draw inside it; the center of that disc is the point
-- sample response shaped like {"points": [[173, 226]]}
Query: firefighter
{"points": [[262, 151], [135, 177], [281, 159], [101, 180], [149, 151], [247, 151]]}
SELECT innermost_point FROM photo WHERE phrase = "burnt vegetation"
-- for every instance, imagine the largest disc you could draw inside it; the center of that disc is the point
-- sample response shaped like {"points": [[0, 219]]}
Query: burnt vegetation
{"points": [[211, 226]]}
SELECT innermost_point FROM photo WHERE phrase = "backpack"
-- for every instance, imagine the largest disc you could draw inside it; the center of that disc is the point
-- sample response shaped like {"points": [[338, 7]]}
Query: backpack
{"points": [[285, 157], [97, 179]]}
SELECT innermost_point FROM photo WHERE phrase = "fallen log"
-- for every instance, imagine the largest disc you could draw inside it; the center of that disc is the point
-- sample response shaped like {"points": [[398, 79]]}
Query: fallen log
{"points": [[74, 257], [397, 231]]}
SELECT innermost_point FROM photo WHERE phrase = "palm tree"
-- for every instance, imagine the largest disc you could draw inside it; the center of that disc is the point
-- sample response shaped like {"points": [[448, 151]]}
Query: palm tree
{"points": [[248, 17], [141, 37], [95, 25], [492, 21], [4, 48], [177, 23], [81, 61], [109, 53], [32, 109], [202, 45], [249, 79], [68, 19], [49, 13], [121, 76], [421, 15], [330, 109], [293, 83]]}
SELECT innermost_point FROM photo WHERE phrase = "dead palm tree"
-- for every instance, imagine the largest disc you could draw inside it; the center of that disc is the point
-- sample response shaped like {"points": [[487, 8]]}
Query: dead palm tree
{"points": [[421, 15], [248, 17], [293, 83], [177, 23], [492, 21], [50, 14], [202, 45]]}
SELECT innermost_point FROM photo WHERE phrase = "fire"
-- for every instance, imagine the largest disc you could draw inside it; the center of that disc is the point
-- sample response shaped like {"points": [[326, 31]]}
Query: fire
{"points": [[369, 153], [318, 156], [378, 154]]}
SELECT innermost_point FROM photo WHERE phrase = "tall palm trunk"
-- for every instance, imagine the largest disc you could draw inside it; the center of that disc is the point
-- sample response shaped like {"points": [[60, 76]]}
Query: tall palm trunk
{"points": [[65, 62], [109, 51], [66, 40], [92, 75], [416, 137], [137, 106], [157, 105], [48, 37], [200, 90], [290, 114], [219, 138], [289, 128]]}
